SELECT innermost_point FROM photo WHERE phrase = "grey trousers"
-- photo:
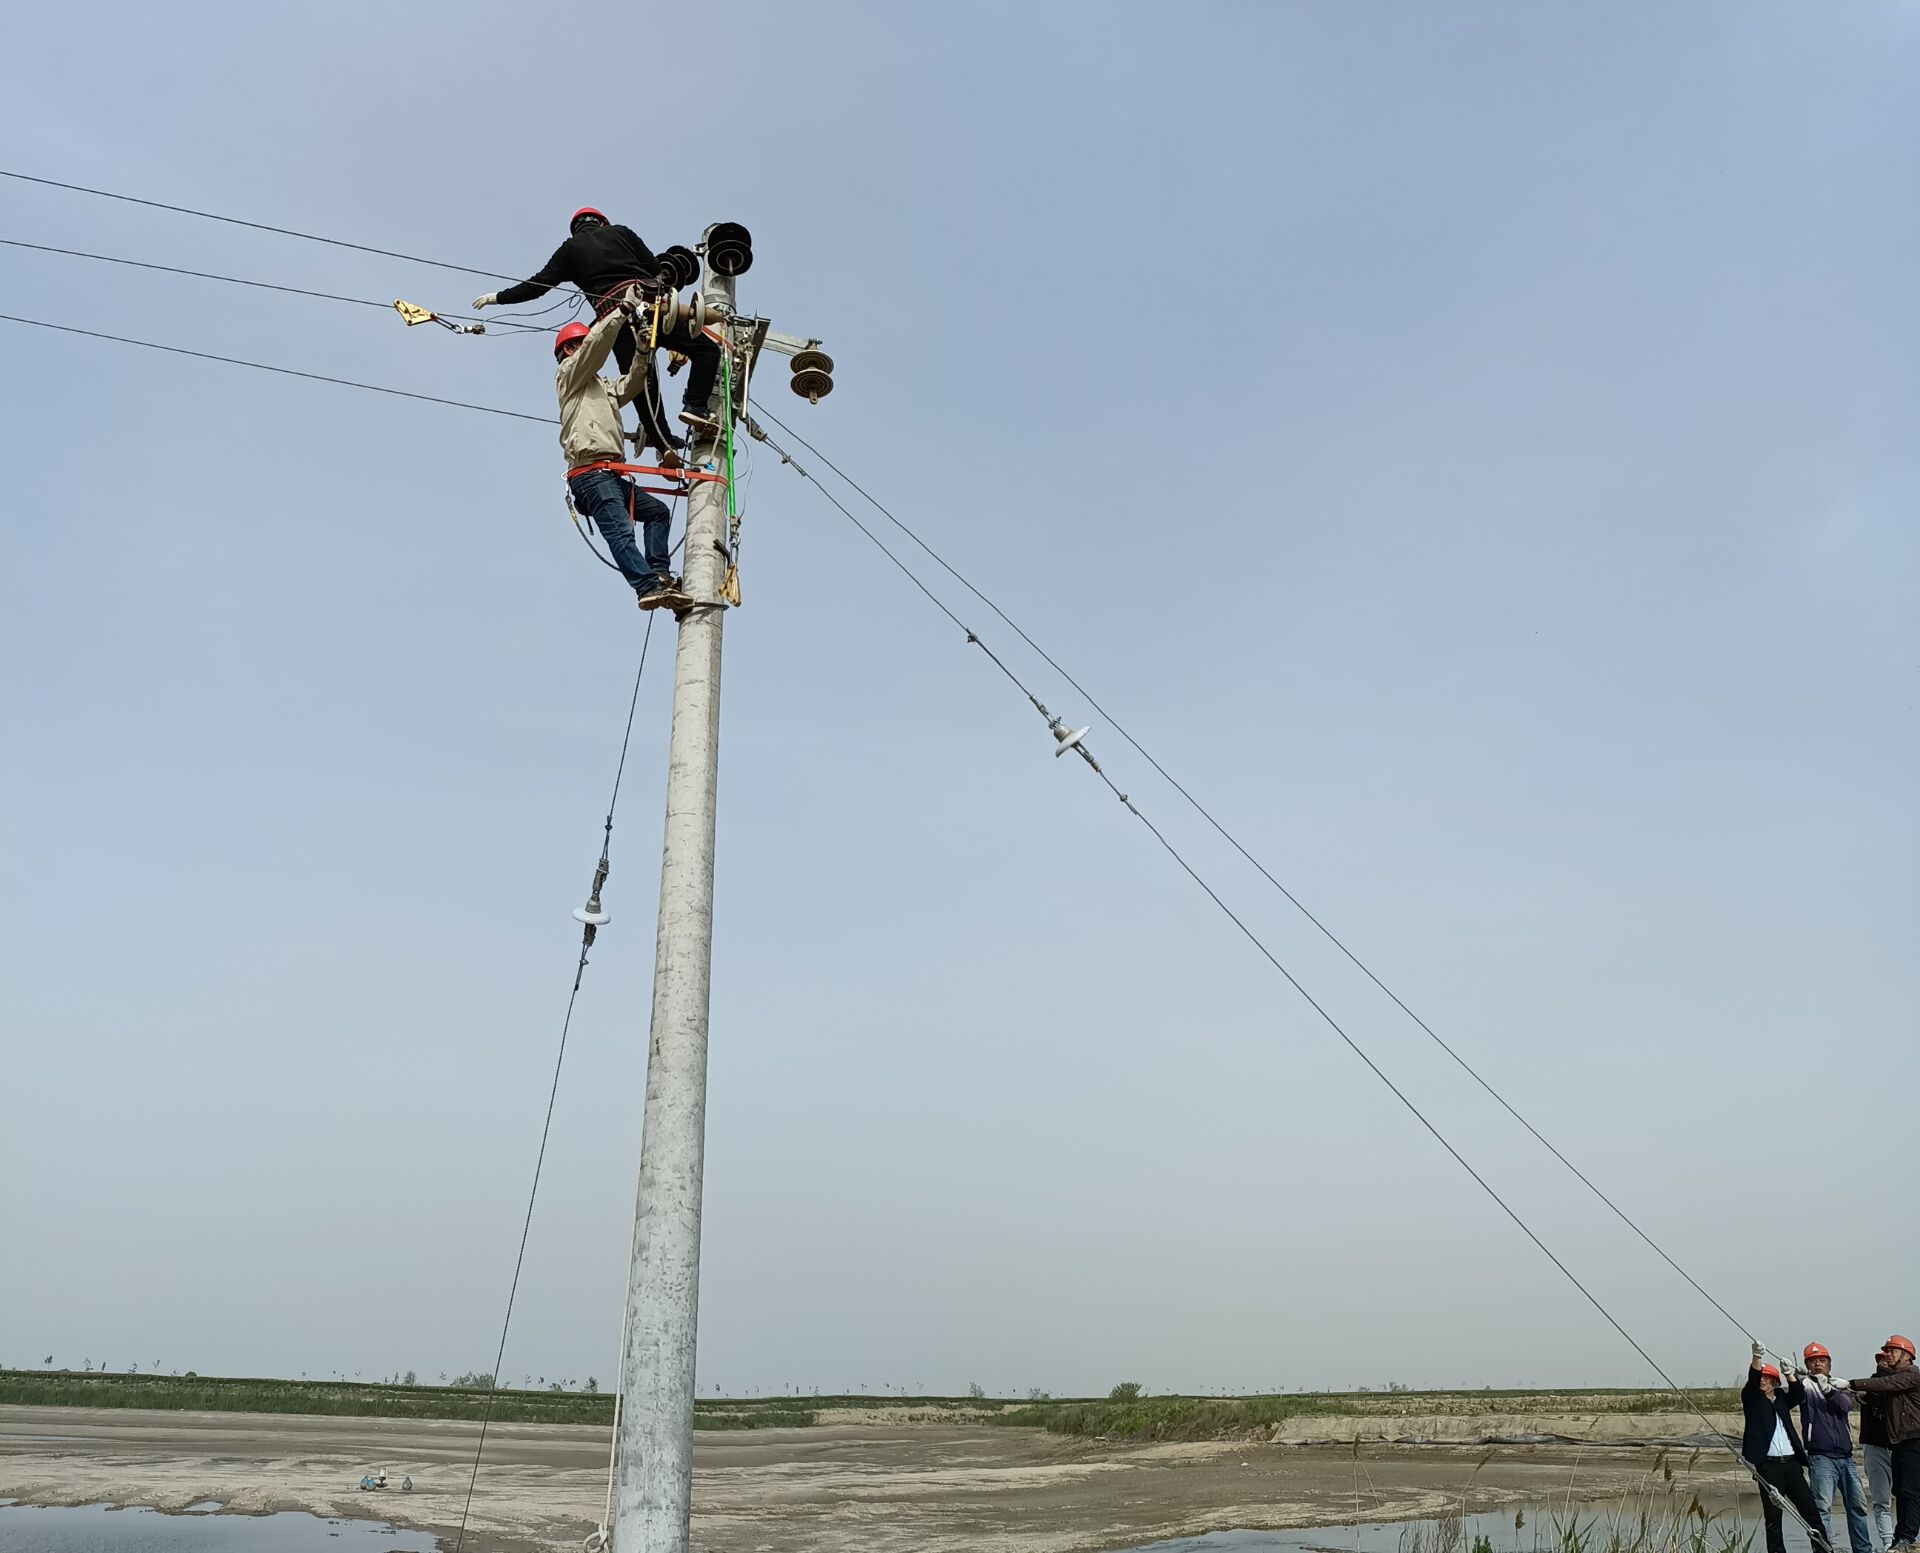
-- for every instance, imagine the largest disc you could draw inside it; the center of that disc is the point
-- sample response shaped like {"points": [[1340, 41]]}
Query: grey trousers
{"points": [[1880, 1493]]}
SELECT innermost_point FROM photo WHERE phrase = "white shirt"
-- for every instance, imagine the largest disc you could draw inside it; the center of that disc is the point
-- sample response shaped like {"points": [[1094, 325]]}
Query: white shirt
{"points": [[1781, 1446]]}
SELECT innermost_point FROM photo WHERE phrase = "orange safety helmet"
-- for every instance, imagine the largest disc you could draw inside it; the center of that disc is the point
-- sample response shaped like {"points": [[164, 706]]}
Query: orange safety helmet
{"points": [[568, 334], [573, 221], [1768, 1369], [1814, 1351], [1905, 1344]]}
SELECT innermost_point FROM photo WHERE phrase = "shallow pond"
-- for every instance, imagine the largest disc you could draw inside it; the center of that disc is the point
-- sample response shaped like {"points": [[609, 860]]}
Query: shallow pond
{"points": [[99, 1528]]}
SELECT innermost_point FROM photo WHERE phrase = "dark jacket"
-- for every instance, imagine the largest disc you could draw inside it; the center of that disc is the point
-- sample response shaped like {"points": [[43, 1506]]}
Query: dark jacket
{"points": [[1873, 1417], [595, 260], [1895, 1396], [1826, 1421], [1763, 1412]]}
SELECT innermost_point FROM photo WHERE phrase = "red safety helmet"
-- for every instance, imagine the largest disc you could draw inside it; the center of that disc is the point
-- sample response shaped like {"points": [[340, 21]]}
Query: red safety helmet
{"points": [[573, 225], [1768, 1369], [568, 334], [1903, 1343], [1814, 1351]]}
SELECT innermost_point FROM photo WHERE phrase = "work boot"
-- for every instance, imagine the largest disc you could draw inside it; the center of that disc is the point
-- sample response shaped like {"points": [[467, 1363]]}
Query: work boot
{"points": [[666, 593], [699, 422]]}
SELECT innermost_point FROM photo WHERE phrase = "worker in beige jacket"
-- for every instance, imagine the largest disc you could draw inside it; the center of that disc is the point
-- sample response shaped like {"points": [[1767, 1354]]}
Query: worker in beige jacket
{"points": [[595, 448]]}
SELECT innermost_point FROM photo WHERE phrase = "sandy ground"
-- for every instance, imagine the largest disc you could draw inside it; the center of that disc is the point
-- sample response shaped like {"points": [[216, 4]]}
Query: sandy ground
{"points": [[847, 1487]]}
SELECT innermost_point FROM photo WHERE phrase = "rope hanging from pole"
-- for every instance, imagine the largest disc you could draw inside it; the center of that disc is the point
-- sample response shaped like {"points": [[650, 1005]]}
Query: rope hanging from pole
{"points": [[592, 916]]}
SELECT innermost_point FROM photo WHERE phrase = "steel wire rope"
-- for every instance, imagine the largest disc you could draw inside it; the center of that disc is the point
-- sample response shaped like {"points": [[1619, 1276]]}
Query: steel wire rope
{"points": [[258, 226], [1234, 842], [261, 366], [553, 1091], [260, 285], [318, 377], [1259, 945]]}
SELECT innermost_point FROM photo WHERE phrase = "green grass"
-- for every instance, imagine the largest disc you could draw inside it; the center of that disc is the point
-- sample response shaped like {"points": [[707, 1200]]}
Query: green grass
{"points": [[352, 1399], [1160, 1418], [1143, 1418], [1663, 1527], [1207, 1418]]}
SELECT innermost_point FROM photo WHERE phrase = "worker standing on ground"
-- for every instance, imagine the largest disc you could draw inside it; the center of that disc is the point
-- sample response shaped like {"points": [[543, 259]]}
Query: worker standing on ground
{"points": [[1896, 1389], [1826, 1416], [1878, 1454], [1773, 1450], [608, 263], [591, 438]]}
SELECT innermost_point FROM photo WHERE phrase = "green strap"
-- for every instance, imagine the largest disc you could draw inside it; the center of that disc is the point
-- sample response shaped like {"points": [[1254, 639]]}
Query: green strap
{"points": [[726, 383]]}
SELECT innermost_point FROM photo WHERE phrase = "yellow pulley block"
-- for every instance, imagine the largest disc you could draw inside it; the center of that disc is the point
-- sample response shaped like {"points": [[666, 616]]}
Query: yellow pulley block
{"points": [[413, 313]]}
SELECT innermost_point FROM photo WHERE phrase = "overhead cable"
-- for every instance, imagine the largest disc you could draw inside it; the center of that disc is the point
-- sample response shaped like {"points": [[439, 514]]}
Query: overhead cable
{"points": [[262, 366], [258, 226], [261, 285], [1272, 959], [1234, 841]]}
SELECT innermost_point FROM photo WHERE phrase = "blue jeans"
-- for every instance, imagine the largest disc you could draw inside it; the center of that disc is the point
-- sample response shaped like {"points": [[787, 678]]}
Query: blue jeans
{"points": [[617, 507], [1831, 1473]]}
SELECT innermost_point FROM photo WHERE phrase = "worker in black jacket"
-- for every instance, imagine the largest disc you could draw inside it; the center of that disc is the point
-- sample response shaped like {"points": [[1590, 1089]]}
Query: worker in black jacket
{"points": [[1771, 1446], [604, 260], [1893, 1392]]}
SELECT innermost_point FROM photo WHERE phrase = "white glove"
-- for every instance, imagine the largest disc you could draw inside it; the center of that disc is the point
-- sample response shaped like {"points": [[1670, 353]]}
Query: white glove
{"points": [[1819, 1383], [1788, 1374], [1759, 1349], [488, 300]]}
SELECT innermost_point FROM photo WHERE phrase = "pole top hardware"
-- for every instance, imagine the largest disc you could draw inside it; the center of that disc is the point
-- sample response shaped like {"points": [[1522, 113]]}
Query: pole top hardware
{"points": [[812, 375], [729, 248], [679, 266]]}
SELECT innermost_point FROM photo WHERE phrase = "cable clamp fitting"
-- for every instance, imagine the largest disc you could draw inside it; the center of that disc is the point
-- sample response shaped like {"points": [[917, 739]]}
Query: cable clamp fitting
{"points": [[593, 915]]}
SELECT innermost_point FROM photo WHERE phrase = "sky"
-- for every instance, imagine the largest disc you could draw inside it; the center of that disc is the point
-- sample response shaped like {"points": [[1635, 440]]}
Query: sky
{"points": [[1472, 447]]}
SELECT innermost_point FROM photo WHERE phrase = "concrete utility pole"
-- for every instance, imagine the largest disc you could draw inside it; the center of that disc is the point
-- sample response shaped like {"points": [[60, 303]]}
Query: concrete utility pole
{"points": [[653, 1457]]}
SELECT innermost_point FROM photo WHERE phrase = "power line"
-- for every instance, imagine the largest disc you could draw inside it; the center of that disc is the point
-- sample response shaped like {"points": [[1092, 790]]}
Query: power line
{"points": [[258, 226], [1253, 938], [1233, 841], [261, 285], [261, 366]]}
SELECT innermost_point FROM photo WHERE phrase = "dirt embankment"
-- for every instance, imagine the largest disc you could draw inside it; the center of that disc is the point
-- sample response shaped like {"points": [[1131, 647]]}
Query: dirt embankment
{"points": [[848, 1487]]}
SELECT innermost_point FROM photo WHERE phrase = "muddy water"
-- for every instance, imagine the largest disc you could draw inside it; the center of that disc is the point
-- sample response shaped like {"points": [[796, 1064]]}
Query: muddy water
{"points": [[104, 1529]]}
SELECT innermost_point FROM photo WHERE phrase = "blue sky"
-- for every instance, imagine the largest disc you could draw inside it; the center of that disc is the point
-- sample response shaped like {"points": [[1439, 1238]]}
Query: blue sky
{"points": [[1472, 446]]}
